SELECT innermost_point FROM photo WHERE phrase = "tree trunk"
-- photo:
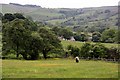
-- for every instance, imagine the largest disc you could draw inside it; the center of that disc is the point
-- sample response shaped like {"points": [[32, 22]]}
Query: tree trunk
{"points": [[17, 55], [44, 54], [25, 57], [34, 55]]}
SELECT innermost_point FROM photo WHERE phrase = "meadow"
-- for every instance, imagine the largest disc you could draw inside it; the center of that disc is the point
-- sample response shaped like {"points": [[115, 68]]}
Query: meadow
{"points": [[58, 68], [79, 44]]}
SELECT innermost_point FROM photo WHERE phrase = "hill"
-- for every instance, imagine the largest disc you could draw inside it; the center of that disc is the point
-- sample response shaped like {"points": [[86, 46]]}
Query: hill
{"points": [[78, 19]]}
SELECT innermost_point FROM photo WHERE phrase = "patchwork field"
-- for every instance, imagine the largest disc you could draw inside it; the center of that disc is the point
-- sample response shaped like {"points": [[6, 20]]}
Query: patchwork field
{"points": [[58, 68]]}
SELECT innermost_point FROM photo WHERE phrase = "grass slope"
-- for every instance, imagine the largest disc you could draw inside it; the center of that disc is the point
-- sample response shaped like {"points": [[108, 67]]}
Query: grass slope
{"points": [[79, 44], [60, 68]]}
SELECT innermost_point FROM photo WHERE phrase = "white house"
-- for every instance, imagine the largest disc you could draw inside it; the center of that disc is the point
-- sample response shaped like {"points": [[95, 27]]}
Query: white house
{"points": [[72, 39]]}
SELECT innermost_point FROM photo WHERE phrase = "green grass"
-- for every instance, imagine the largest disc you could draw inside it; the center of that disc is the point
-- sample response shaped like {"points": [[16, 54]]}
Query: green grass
{"points": [[79, 44], [74, 43], [58, 68]]}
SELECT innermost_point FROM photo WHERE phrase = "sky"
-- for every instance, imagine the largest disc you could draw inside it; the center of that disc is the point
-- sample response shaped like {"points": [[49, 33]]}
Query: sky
{"points": [[65, 3]]}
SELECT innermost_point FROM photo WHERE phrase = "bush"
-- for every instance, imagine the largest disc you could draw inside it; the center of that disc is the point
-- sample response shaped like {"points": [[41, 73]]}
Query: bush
{"points": [[93, 51], [56, 53], [86, 50], [74, 51], [99, 50], [113, 53]]}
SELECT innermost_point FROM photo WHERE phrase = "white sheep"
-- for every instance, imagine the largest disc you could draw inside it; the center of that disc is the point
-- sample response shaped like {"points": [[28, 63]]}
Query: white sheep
{"points": [[77, 59]]}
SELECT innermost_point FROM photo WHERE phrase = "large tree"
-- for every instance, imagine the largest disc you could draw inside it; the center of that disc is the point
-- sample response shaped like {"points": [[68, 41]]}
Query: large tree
{"points": [[14, 34], [18, 37], [31, 47], [67, 34], [108, 35], [50, 41]]}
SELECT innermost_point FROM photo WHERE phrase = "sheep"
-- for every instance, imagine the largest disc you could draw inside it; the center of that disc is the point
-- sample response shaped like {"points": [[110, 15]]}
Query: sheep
{"points": [[77, 59]]}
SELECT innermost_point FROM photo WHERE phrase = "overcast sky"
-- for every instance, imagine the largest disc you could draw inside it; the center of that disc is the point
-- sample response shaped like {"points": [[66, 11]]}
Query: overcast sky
{"points": [[65, 3]]}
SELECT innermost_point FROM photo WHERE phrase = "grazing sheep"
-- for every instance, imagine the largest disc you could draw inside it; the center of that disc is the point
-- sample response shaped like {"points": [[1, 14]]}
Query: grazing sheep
{"points": [[77, 59]]}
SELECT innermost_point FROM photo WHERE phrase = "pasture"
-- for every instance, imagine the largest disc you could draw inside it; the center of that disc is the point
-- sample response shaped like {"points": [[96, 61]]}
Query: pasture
{"points": [[79, 44], [58, 68]]}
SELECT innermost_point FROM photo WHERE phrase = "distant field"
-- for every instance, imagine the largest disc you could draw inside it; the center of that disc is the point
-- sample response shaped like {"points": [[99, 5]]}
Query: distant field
{"points": [[79, 44], [58, 68]]}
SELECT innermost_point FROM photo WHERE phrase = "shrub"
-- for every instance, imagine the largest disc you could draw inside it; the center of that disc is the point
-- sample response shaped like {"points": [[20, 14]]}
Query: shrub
{"points": [[113, 53], [99, 50], [93, 51], [74, 51], [86, 50], [56, 53]]}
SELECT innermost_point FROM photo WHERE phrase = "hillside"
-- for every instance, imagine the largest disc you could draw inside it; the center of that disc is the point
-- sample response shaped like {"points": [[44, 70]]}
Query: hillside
{"points": [[82, 19]]}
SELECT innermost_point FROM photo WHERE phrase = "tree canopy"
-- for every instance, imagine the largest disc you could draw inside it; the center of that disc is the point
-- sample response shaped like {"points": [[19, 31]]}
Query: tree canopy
{"points": [[108, 35], [21, 36], [50, 41]]}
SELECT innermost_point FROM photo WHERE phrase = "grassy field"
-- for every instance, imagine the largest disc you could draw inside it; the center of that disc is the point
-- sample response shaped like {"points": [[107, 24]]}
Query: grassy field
{"points": [[58, 68], [79, 44]]}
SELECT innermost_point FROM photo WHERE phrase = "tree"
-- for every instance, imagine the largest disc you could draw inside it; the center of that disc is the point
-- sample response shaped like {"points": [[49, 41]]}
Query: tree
{"points": [[96, 37], [11, 17], [14, 33], [93, 51], [66, 33], [108, 35], [99, 51], [117, 37], [49, 40], [18, 15], [83, 37], [74, 51], [8, 17], [31, 25], [77, 37], [86, 50], [18, 37], [56, 30], [32, 45], [113, 53]]}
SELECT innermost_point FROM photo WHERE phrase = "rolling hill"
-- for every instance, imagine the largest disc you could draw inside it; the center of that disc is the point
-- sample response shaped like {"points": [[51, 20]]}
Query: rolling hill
{"points": [[83, 19]]}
